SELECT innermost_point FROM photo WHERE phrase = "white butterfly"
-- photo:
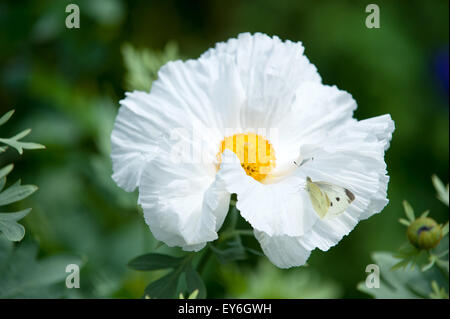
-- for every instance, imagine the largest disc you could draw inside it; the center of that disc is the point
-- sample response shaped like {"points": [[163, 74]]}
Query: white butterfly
{"points": [[328, 199]]}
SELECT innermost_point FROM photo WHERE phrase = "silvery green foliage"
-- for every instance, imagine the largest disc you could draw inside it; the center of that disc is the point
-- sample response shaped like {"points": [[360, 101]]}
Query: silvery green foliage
{"points": [[15, 141], [142, 65], [442, 191], [9, 225], [24, 276], [409, 283], [412, 272]]}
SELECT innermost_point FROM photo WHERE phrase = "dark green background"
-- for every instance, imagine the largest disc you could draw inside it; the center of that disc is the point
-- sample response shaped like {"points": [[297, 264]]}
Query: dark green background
{"points": [[66, 84]]}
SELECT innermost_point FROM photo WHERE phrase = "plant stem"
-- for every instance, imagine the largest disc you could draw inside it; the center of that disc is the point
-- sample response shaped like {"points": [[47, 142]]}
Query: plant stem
{"points": [[204, 260], [235, 232], [233, 218]]}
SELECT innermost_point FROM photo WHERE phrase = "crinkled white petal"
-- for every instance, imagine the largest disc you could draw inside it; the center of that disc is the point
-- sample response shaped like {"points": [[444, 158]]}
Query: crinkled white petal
{"points": [[204, 94], [133, 140], [359, 167], [353, 158], [206, 90], [277, 209], [182, 205], [283, 251], [270, 71], [317, 111]]}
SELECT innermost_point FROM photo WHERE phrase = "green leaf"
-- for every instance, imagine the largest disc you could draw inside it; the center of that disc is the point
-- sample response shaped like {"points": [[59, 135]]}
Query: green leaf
{"points": [[195, 282], [142, 65], [431, 262], [404, 222], [20, 146], [3, 173], [193, 295], [21, 134], [163, 288], [406, 283], [154, 262], [445, 229], [408, 211], [5, 118], [2, 183], [6, 170], [23, 276], [443, 192], [9, 226], [441, 255], [438, 292], [410, 257], [16, 192], [443, 263], [425, 213]]}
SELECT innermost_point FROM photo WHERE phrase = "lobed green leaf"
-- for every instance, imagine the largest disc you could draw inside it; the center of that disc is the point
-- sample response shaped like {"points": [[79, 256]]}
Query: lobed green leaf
{"points": [[195, 282], [163, 288], [442, 191], [6, 170], [12, 230], [16, 192], [20, 146], [154, 261], [5, 117], [409, 211]]}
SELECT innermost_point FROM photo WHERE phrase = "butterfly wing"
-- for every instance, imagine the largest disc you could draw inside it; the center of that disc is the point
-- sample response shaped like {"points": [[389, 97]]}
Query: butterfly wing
{"points": [[319, 199], [340, 198], [328, 199]]}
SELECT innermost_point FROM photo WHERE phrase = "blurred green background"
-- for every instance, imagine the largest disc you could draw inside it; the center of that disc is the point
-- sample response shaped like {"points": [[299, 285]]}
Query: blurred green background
{"points": [[65, 84]]}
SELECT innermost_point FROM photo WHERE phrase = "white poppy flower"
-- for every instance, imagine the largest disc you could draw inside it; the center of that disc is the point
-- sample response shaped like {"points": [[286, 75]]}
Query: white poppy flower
{"points": [[238, 94]]}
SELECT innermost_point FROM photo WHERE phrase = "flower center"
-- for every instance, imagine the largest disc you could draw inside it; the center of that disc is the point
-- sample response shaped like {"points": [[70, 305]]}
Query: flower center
{"points": [[255, 153]]}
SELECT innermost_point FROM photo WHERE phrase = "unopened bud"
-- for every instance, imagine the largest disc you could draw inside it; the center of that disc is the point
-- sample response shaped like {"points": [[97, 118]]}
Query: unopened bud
{"points": [[424, 233]]}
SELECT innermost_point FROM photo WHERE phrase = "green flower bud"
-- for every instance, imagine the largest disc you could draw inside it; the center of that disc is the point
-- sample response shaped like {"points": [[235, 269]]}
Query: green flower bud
{"points": [[424, 233]]}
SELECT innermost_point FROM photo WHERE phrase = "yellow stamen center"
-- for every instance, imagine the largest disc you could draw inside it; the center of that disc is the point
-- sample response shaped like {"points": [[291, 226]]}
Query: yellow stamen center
{"points": [[255, 153]]}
